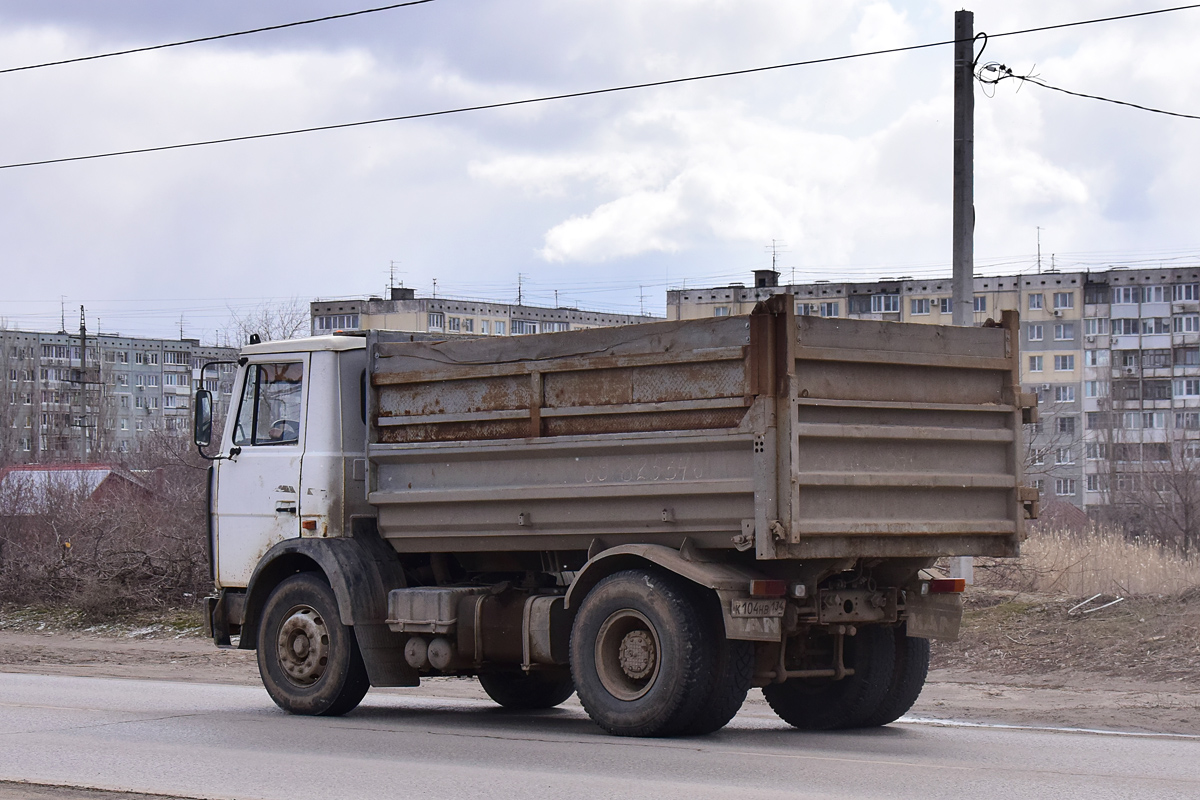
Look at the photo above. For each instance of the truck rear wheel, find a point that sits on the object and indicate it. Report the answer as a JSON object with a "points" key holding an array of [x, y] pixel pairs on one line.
{"points": [[309, 661], [824, 703], [528, 690], [909, 671], [641, 655], [728, 684]]}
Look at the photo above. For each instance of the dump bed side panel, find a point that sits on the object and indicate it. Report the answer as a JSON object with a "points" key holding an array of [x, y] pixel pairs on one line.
{"points": [[549, 442], [904, 440]]}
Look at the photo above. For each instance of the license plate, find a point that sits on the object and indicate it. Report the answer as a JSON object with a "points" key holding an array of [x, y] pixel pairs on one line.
{"points": [[757, 608]]}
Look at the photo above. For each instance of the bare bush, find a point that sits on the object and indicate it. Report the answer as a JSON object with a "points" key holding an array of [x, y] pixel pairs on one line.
{"points": [[139, 543], [1077, 563]]}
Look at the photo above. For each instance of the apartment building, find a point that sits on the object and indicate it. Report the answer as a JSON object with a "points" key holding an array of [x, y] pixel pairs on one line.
{"points": [[71, 397], [1114, 357], [404, 311]]}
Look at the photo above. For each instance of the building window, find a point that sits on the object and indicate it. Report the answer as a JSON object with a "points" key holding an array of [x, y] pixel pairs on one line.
{"points": [[485, 327], [1064, 363], [1095, 389], [1035, 363], [1095, 358], [1126, 295], [946, 305], [1064, 394], [1152, 325], [1034, 333], [177, 358], [1064, 300], [1093, 483], [453, 324], [919, 305], [1037, 458], [980, 302], [437, 321], [468, 326], [1063, 456], [1064, 487], [1126, 327], [718, 311], [1154, 419], [337, 322], [1066, 425], [1096, 451], [829, 309], [500, 325], [1187, 356], [1187, 387], [1035, 302], [885, 304], [524, 327], [1188, 323], [1064, 331], [1187, 420], [1095, 326], [1186, 291]]}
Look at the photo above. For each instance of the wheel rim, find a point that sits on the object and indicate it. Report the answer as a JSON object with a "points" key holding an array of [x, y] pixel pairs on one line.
{"points": [[628, 654], [303, 646]]}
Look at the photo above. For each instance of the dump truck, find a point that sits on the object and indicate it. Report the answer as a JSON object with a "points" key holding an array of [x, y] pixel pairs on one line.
{"points": [[656, 517]]}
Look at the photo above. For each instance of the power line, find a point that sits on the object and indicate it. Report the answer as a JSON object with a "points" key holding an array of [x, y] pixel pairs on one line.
{"points": [[1004, 73], [214, 38], [570, 95]]}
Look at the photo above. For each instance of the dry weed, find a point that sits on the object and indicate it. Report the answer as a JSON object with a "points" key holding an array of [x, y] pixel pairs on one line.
{"points": [[1058, 561]]}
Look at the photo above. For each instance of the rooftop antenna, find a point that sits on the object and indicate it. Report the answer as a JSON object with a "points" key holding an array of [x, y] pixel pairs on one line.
{"points": [[520, 296], [435, 288], [642, 300], [556, 298], [62, 307], [181, 327], [1039, 240]]}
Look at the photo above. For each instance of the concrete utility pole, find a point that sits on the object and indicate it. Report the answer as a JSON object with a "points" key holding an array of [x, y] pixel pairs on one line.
{"points": [[964, 198], [964, 168]]}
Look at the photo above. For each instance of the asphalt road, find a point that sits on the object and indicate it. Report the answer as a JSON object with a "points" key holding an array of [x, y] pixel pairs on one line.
{"points": [[219, 741]]}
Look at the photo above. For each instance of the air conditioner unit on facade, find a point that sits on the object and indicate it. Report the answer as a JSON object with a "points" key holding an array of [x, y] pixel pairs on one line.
{"points": [[1045, 387], [1057, 312], [1091, 338]]}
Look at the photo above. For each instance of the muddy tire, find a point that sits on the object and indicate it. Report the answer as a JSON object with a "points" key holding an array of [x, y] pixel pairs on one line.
{"points": [[825, 704], [641, 654], [309, 661], [528, 690], [729, 680], [909, 671]]}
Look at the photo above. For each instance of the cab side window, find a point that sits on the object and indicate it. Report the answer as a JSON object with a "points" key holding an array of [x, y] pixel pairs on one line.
{"points": [[269, 413]]}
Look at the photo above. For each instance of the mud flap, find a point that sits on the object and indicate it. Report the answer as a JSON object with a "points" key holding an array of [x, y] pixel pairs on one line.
{"points": [[933, 616]]}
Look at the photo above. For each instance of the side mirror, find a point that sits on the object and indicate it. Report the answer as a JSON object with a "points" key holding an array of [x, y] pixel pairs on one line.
{"points": [[202, 423]]}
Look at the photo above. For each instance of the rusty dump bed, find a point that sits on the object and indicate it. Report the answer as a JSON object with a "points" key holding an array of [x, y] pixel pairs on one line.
{"points": [[797, 437]]}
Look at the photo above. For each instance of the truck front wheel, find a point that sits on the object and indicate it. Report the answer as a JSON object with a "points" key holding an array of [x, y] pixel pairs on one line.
{"points": [[528, 690], [309, 661], [641, 654]]}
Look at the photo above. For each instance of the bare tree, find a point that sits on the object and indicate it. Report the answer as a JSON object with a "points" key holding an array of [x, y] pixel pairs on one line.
{"points": [[1158, 494], [271, 320]]}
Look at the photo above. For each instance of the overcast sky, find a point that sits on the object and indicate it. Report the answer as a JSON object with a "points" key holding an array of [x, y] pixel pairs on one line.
{"points": [[605, 200]]}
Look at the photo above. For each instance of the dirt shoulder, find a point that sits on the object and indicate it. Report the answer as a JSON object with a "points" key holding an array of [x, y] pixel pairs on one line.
{"points": [[1021, 661]]}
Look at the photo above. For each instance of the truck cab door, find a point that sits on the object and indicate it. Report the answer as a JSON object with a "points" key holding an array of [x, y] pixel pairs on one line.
{"points": [[257, 491]]}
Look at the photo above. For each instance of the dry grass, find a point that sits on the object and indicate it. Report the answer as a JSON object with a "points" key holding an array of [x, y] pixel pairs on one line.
{"points": [[1095, 560]]}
